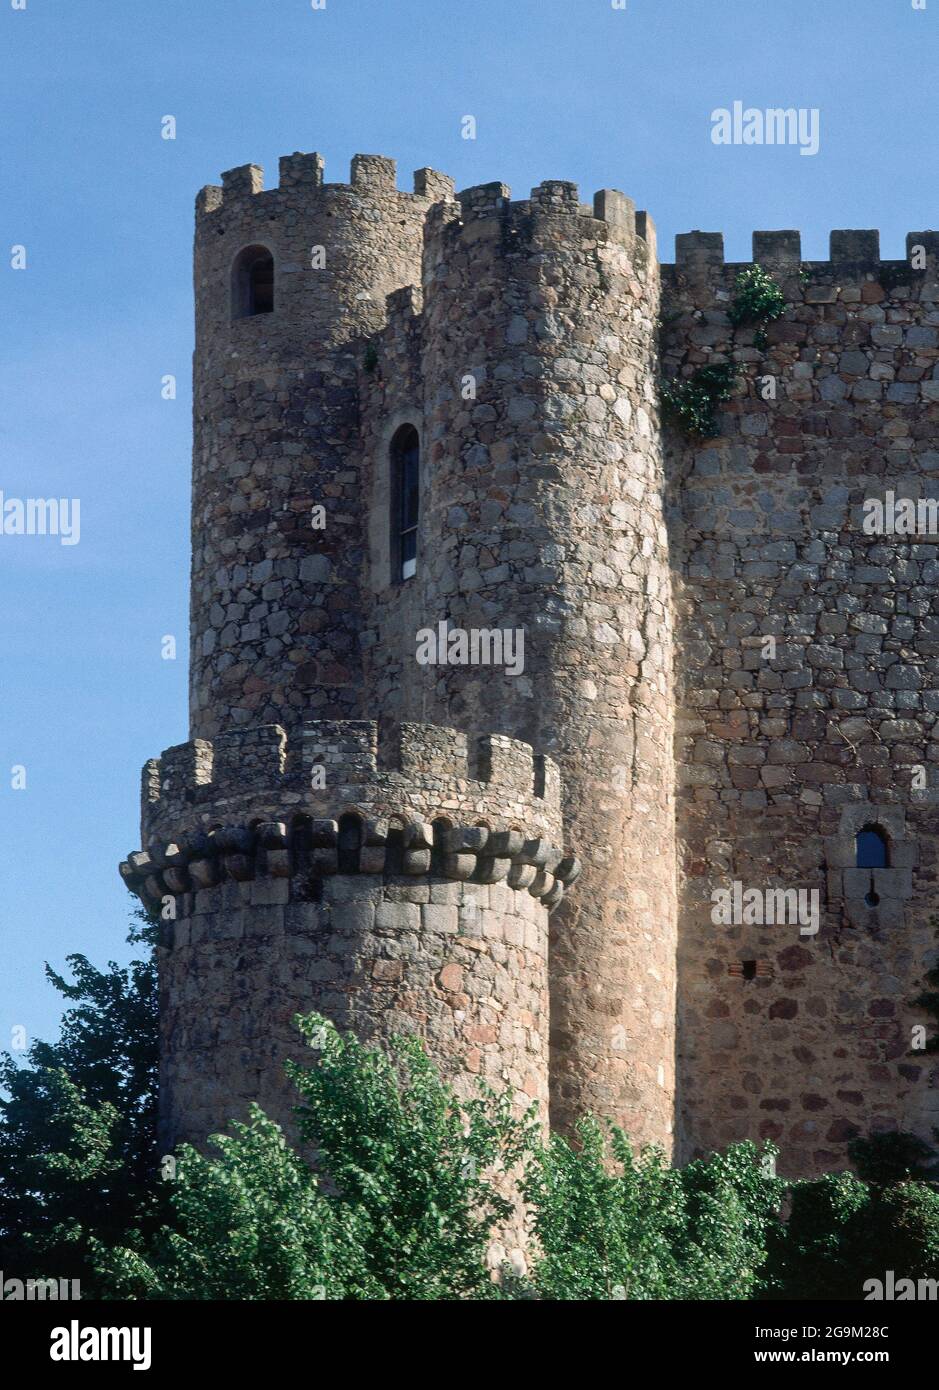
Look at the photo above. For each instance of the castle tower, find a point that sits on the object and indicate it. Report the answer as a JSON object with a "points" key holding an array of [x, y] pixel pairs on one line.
{"points": [[544, 516], [288, 282], [402, 897], [394, 877]]}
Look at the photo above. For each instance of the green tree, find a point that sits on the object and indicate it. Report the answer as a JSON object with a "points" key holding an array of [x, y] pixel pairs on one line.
{"points": [[635, 1228], [813, 1256], [404, 1186], [842, 1231], [895, 1156], [77, 1125]]}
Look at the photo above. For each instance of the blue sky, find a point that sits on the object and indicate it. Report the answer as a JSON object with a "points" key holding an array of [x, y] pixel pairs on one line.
{"points": [[567, 89]]}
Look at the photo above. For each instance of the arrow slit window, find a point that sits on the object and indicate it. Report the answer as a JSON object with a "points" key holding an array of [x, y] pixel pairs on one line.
{"points": [[405, 501]]}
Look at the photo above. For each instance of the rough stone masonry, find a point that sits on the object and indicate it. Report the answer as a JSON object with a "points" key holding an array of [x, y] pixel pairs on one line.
{"points": [[521, 866]]}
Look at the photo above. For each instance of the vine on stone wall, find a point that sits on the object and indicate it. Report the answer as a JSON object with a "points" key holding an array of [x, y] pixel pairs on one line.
{"points": [[757, 299], [691, 403]]}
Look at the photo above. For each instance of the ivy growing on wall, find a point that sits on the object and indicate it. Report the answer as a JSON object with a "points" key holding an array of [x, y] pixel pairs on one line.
{"points": [[757, 299], [691, 403]]}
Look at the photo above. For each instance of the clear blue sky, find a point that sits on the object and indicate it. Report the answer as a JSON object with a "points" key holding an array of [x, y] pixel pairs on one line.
{"points": [[567, 89]]}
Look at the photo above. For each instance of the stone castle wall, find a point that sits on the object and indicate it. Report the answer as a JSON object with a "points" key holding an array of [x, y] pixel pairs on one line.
{"points": [[784, 757]]}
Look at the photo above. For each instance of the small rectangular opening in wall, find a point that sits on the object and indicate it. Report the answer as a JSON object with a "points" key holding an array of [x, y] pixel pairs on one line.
{"points": [[394, 852], [539, 774], [750, 969], [311, 890], [388, 752]]}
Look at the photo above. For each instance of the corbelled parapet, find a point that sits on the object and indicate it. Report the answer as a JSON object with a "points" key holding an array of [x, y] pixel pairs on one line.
{"points": [[253, 803]]}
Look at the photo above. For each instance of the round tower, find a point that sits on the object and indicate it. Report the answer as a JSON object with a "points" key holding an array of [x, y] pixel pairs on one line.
{"points": [[543, 518], [288, 285], [301, 858], [378, 882]]}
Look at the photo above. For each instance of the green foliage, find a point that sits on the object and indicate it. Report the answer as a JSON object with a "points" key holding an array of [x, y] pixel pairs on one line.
{"points": [[400, 1204], [891, 1158], [399, 1187], [904, 1232], [691, 403], [638, 1229], [811, 1257], [757, 298], [842, 1231], [77, 1128], [249, 1223]]}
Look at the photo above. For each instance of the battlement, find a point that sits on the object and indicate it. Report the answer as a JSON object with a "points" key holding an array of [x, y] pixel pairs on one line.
{"points": [[495, 806], [338, 765], [552, 198], [370, 174], [849, 251]]}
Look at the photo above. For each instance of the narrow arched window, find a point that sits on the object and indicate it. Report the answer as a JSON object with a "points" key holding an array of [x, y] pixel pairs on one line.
{"points": [[405, 502], [871, 848], [871, 851], [252, 283]]}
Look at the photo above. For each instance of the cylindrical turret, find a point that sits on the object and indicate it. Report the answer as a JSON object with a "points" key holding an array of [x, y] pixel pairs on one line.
{"points": [[288, 283], [391, 885], [544, 519]]}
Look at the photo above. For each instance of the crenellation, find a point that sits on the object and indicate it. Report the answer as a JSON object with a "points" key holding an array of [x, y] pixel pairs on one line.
{"points": [[430, 183], [928, 240], [609, 205], [699, 250], [855, 251], [256, 773], [245, 758], [556, 196], [854, 248], [209, 199], [645, 230], [782, 249], [346, 750], [373, 173], [243, 182], [296, 169], [484, 200]]}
